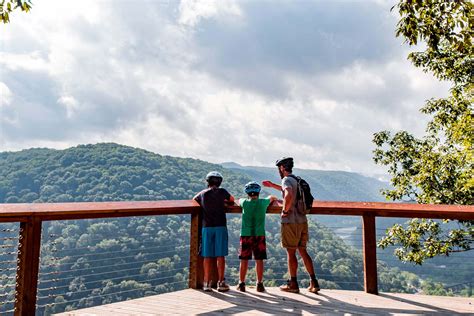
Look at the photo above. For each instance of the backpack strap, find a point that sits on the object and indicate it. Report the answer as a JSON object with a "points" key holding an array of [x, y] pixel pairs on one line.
{"points": [[293, 176], [298, 186]]}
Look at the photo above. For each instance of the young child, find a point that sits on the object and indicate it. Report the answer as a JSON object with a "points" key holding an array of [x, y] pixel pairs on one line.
{"points": [[252, 233], [214, 228]]}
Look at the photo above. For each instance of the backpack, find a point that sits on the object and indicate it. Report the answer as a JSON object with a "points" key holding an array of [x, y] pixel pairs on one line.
{"points": [[304, 198]]}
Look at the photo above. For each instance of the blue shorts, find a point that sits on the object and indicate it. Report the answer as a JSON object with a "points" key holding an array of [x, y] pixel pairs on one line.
{"points": [[214, 242]]}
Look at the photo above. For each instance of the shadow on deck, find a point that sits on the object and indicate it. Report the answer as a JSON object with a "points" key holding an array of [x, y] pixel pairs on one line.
{"points": [[336, 302]]}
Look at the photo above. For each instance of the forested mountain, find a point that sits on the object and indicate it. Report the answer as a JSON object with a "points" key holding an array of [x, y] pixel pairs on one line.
{"points": [[92, 262], [103, 172], [110, 172]]}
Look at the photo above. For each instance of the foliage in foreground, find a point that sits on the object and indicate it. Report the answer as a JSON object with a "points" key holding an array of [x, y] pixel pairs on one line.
{"points": [[8, 6], [439, 167]]}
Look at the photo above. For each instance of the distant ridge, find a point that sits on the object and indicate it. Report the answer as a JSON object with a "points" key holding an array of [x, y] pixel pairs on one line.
{"points": [[327, 185]]}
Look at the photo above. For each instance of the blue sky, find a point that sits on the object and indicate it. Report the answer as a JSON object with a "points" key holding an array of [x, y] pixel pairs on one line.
{"points": [[243, 81]]}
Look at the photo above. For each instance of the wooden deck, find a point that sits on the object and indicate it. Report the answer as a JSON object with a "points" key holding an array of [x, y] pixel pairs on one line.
{"points": [[329, 302]]}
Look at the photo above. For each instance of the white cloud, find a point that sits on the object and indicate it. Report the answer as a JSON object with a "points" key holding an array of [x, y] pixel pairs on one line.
{"points": [[5, 95], [30, 62], [215, 80], [192, 11], [70, 103]]}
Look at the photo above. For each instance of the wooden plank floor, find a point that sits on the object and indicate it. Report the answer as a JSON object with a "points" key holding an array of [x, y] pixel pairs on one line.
{"points": [[275, 302]]}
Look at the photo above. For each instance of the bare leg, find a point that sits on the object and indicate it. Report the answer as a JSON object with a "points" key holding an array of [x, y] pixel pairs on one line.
{"points": [[213, 275], [292, 285], [207, 269], [308, 262], [259, 266], [292, 262], [244, 264], [221, 268]]}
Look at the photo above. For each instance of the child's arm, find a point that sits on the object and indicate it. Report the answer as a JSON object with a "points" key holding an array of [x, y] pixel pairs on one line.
{"points": [[272, 199], [230, 201], [198, 197]]}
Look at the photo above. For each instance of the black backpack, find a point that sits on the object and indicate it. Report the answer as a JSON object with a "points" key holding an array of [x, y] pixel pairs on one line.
{"points": [[303, 196]]}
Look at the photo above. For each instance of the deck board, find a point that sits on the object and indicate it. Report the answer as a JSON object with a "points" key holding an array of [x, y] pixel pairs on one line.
{"points": [[275, 302]]}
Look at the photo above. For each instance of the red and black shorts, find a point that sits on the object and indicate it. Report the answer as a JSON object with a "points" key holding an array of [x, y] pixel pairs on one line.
{"points": [[253, 244]]}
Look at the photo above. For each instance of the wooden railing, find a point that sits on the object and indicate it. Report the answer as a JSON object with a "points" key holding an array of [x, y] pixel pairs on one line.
{"points": [[31, 217]]}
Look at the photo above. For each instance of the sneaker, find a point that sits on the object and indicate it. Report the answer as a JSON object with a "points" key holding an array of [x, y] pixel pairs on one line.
{"points": [[314, 287], [206, 287], [214, 285], [222, 287], [260, 287], [241, 287], [290, 286]]}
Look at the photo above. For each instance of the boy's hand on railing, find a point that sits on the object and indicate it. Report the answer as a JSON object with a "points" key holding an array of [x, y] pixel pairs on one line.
{"points": [[273, 200], [229, 203]]}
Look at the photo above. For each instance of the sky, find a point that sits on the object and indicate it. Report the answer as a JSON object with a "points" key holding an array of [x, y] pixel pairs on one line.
{"points": [[241, 81]]}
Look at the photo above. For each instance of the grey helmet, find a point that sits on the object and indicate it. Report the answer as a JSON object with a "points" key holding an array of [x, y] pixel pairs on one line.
{"points": [[213, 174]]}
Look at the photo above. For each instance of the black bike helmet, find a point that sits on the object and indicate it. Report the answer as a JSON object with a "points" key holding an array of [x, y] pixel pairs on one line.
{"points": [[285, 161]]}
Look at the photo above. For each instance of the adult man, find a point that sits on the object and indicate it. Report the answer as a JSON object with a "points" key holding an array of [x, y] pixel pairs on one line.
{"points": [[294, 227]]}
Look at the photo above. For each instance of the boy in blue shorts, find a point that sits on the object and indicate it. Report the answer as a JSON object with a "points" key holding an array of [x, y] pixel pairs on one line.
{"points": [[252, 233], [214, 242]]}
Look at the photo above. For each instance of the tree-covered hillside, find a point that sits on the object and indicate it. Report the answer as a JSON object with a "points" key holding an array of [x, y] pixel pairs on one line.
{"points": [[92, 262], [103, 172]]}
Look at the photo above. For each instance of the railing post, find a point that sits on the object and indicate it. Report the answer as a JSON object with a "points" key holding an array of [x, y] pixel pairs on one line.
{"points": [[195, 260], [370, 254], [28, 266]]}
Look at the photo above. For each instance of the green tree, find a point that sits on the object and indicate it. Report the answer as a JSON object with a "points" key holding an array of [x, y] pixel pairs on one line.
{"points": [[7, 7], [439, 167]]}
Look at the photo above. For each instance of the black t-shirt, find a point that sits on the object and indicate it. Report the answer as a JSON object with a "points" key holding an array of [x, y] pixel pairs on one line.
{"points": [[212, 203]]}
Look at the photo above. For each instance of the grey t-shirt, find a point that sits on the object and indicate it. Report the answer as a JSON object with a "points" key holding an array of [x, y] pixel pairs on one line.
{"points": [[294, 216]]}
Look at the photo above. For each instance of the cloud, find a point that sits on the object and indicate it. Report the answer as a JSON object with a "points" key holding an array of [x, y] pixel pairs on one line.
{"points": [[5, 95], [215, 80], [272, 42], [70, 103], [191, 12]]}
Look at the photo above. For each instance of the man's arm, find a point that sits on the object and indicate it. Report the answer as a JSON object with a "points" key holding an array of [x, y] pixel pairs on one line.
{"points": [[269, 184], [287, 200]]}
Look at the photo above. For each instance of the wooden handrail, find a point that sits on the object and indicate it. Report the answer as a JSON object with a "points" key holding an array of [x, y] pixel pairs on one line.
{"points": [[83, 210], [31, 217]]}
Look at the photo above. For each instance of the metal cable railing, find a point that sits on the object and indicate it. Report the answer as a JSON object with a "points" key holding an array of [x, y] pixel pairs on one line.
{"points": [[111, 268], [9, 240]]}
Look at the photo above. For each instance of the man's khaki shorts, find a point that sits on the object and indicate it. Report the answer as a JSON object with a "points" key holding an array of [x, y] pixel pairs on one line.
{"points": [[294, 235]]}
